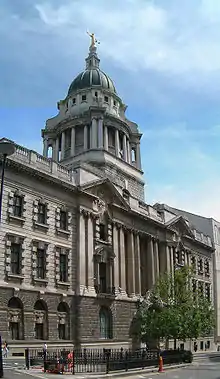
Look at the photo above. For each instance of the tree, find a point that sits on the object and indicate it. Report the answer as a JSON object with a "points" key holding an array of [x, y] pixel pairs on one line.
{"points": [[173, 310]]}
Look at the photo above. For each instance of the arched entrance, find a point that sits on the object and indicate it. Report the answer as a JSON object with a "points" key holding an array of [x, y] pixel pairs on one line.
{"points": [[41, 320], [15, 318]]}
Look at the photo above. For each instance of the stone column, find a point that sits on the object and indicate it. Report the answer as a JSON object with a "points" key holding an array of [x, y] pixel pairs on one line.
{"points": [[116, 259], [90, 257], [100, 133], [94, 134], [85, 137], [150, 263], [117, 147], [57, 149], [125, 155], [63, 144], [73, 142], [156, 259], [137, 265], [106, 138], [82, 253], [129, 151], [138, 156], [122, 263], [54, 150], [131, 265], [45, 150], [168, 259]]}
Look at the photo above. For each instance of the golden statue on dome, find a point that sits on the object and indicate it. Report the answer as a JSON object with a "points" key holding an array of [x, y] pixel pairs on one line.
{"points": [[93, 39]]}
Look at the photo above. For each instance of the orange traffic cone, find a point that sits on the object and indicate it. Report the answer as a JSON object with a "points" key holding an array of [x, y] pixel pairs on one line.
{"points": [[160, 364]]}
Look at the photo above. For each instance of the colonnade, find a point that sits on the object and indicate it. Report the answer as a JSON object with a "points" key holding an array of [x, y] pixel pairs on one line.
{"points": [[95, 136], [137, 259]]}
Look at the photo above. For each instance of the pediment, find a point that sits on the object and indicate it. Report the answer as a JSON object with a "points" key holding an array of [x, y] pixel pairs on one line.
{"points": [[106, 193], [180, 227]]}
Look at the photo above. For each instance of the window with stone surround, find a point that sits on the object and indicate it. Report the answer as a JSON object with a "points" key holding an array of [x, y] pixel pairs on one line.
{"points": [[63, 220], [40, 213], [62, 265], [193, 263], [16, 258], [14, 255], [16, 204], [41, 264], [105, 322], [40, 259]]}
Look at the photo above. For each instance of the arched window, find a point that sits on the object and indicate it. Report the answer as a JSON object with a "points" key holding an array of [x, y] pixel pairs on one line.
{"points": [[63, 321], [15, 312], [41, 320], [105, 320]]}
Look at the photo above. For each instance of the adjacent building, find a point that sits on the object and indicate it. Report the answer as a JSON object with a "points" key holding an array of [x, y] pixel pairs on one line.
{"points": [[79, 246], [206, 226]]}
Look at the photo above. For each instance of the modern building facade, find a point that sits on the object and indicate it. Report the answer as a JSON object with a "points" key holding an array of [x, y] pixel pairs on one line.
{"points": [[211, 227], [79, 247]]}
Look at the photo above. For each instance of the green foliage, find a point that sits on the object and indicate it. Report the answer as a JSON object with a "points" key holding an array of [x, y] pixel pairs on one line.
{"points": [[175, 311]]}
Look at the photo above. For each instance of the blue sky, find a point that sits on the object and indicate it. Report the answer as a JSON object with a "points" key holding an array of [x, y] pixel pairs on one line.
{"points": [[164, 58]]}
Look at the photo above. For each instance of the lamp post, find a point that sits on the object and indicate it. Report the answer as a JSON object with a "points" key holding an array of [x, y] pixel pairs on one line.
{"points": [[6, 149]]}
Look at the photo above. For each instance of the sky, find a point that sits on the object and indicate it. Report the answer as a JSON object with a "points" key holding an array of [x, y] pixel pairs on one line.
{"points": [[164, 58]]}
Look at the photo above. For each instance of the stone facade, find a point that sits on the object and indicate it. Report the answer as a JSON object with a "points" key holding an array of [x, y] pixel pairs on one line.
{"points": [[79, 247]]}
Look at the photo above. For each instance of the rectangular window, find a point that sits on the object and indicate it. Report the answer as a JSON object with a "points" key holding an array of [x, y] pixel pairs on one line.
{"points": [[207, 268], [39, 331], [74, 100], [83, 97], [63, 267], [111, 137], [63, 220], [103, 232], [16, 258], [103, 277], [62, 331], [41, 264], [106, 99], [200, 266], [42, 213], [18, 205], [207, 291], [14, 329]]}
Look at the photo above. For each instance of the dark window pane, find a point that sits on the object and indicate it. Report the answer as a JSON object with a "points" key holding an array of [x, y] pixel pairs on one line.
{"points": [[39, 331], [62, 331], [17, 205], [63, 268], [103, 232], [14, 329], [16, 258], [41, 263], [105, 319], [42, 213], [63, 220]]}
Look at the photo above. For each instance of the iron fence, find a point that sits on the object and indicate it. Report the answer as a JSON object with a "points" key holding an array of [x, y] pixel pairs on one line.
{"points": [[99, 360]]}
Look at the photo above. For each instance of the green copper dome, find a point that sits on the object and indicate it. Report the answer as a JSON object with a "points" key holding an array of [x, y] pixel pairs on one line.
{"points": [[92, 77]]}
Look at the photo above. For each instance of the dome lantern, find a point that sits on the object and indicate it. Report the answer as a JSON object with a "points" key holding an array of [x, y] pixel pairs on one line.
{"points": [[92, 76]]}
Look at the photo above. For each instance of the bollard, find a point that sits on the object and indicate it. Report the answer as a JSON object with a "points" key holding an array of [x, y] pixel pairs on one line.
{"points": [[27, 358], [1, 361], [160, 364]]}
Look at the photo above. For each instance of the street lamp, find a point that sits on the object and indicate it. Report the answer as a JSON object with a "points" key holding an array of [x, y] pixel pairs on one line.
{"points": [[6, 149]]}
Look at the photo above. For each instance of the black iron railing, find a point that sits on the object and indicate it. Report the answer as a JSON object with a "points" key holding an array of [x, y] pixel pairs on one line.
{"points": [[101, 360]]}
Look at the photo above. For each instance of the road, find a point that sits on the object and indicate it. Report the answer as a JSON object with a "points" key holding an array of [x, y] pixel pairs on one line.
{"points": [[203, 369]]}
